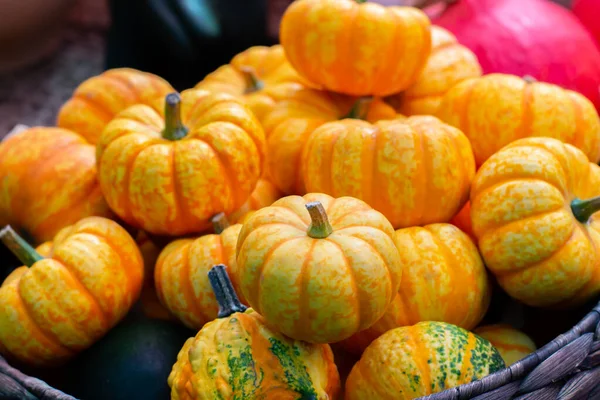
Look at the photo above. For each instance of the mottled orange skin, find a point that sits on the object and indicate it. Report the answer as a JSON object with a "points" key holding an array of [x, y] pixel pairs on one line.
{"points": [[264, 194], [526, 231], [497, 109], [444, 280], [98, 99], [174, 187], [64, 303], [415, 171], [292, 121], [318, 290], [356, 49], [449, 63], [462, 220], [48, 180], [181, 275], [512, 344]]}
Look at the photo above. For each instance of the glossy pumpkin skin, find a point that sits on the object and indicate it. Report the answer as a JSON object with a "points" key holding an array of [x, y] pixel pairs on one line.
{"points": [[98, 99], [264, 194], [444, 280], [462, 221], [174, 187], [63, 304], [449, 63], [512, 344], [356, 49], [497, 109], [415, 172], [319, 290], [414, 361], [240, 357], [48, 180], [527, 233]]}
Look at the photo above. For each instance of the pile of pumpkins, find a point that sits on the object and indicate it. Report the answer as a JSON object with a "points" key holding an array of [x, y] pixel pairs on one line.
{"points": [[360, 184]]}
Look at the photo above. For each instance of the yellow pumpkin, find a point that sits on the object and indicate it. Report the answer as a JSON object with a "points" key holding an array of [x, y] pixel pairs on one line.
{"points": [[512, 344]]}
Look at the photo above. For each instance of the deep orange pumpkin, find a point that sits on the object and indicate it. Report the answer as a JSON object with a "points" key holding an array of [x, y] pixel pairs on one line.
{"points": [[264, 194]]}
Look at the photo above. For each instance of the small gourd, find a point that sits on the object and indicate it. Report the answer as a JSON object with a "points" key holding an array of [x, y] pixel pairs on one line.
{"points": [[512, 344]]}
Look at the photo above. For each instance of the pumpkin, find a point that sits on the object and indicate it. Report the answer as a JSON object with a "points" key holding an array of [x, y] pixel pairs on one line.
{"points": [[356, 49], [449, 63], [419, 360], [497, 109], [444, 280], [48, 180], [237, 356], [462, 221], [292, 121], [264, 194], [98, 99], [415, 172], [181, 273], [60, 305], [532, 208], [169, 175], [316, 268], [512, 344]]}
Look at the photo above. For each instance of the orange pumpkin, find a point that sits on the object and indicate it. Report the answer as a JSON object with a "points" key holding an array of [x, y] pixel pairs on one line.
{"points": [[316, 268], [356, 49], [535, 223], [98, 99], [444, 280], [264, 194], [415, 172], [462, 220], [48, 180], [181, 272], [168, 175], [449, 63], [512, 344], [57, 306], [497, 109]]}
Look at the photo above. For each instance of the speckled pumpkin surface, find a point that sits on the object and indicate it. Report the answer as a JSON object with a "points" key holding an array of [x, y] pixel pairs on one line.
{"points": [[429, 357], [264, 194], [540, 244], [512, 344]]}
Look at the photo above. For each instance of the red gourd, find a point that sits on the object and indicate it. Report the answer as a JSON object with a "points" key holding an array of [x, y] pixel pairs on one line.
{"points": [[588, 12]]}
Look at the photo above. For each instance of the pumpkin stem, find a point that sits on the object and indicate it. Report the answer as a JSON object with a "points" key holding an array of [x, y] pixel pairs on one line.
{"points": [[229, 303], [360, 108], [219, 222], [174, 128], [253, 84], [319, 227], [360, 1], [584, 209], [529, 79], [424, 3], [19, 247]]}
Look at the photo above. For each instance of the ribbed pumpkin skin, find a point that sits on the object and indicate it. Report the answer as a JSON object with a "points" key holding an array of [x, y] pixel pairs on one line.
{"points": [[63, 304], [415, 172], [238, 357], [174, 187], [181, 275], [520, 199], [264, 194], [444, 280], [449, 63], [356, 49], [414, 361], [48, 180], [497, 109], [512, 344], [318, 290], [98, 99]]}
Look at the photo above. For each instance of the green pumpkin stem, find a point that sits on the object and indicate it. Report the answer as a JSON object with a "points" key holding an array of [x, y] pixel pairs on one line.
{"points": [[253, 84], [19, 247], [229, 303], [319, 227], [360, 109], [584, 209], [219, 222], [360, 1], [174, 128]]}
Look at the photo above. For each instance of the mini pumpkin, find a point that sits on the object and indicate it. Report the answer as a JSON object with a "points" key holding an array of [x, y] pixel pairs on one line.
{"points": [[512, 344], [429, 357], [58, 306], [533, 210], [97, 100], [462, 221], [415, 171], [318, 269], [238, 357], [356, 49], [444, 280], [264, 194], [497, 109], [48, 180], [170, 174]]}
